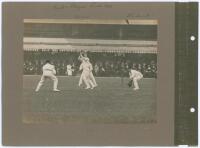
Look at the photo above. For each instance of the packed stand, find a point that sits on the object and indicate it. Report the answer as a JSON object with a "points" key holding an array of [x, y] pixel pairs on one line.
{"points": [[104, 64]]}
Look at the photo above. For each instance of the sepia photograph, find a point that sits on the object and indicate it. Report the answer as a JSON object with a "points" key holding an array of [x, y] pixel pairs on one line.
{"points": [[99, 74], [90, 71]]}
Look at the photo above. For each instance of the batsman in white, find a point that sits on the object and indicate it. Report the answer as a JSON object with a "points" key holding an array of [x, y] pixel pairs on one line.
{"points": [[86, 66], [48, 72], [135, 76], [83, 57]]}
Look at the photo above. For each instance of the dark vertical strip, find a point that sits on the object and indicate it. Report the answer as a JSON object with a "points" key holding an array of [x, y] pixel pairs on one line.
{"points": [[186, 74]]}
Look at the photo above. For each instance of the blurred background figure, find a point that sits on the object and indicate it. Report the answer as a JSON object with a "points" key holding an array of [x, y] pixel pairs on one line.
{"points": [[70, 70]]}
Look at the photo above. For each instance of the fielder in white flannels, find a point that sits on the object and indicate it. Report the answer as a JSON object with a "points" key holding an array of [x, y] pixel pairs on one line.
{"points": [[135, 76], [69, 70], [48, 72]]}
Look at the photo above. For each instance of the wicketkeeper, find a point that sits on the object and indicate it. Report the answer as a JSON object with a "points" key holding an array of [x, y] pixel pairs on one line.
{"points": [[135, 76]]}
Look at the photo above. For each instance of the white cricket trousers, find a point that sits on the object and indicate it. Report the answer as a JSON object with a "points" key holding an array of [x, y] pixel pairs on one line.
{"points": [[52, 77], [85, 77], [135, 81], [93, 79]]}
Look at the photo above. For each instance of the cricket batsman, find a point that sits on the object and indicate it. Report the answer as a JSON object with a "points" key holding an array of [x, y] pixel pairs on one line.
{"points": [[135, 76], [83, 57], [85, 76], [48, 72]]}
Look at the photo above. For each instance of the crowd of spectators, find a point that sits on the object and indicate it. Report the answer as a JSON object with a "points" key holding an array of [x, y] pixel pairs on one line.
{"points": [[104, 64]]}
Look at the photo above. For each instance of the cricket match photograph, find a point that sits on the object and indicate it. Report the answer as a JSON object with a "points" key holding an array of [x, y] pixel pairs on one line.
{"points": [[90, 71]]}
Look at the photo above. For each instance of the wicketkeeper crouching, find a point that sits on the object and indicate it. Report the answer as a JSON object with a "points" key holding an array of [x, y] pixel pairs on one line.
{"points": [[135, 76]]}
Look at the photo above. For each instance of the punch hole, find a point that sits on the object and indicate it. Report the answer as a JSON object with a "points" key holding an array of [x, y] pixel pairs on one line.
{"points": [[192, 38], [192, 109]]}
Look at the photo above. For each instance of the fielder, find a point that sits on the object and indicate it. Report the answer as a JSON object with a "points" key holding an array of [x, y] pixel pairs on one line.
{"points": [[48, 72], [69, 70], [135, 76]]}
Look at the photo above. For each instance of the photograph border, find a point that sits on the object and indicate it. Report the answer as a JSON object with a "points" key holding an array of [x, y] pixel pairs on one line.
{"points": [[145, 46]]}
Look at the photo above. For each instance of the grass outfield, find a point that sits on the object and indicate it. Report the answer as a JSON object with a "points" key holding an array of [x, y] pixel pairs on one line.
{"points": [[110, 102]]}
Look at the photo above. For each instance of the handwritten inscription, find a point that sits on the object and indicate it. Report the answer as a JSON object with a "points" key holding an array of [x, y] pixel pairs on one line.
{"points": [[82, 6], [137, 15]]}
